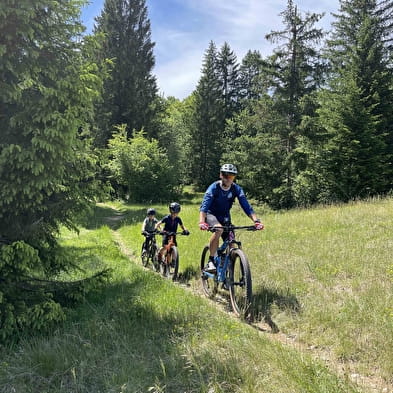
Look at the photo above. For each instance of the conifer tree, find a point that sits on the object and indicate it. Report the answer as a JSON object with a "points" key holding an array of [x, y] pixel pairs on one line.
{"points": [[207, 126], [251, 86], [295, 71], [46, 169], [356, 109], [228, 74], [131, 91]]}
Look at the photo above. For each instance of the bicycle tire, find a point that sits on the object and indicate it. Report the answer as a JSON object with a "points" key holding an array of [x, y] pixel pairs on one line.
{"points": [[170, 267], [240, 284], [154, 258], [209, 285], [174, 265], [163, 268], [145, 258]]}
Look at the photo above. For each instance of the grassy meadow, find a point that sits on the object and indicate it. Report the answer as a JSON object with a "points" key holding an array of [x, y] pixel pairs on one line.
{"points": [[323, 307]]}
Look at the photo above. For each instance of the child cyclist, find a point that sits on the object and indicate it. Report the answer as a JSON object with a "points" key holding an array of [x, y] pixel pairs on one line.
{"points": [[148, 227], [171, 222]]}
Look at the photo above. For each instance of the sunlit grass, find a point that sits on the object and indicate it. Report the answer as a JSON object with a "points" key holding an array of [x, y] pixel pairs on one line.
{"points": [[324, 276]]}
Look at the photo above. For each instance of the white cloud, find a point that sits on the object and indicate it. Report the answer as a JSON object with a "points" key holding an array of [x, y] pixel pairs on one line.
{"points": [[182, 30], [243, 24], [179, 76]]}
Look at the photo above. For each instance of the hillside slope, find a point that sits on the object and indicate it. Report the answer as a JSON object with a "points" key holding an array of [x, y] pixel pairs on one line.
{"points": [[324, 276]]}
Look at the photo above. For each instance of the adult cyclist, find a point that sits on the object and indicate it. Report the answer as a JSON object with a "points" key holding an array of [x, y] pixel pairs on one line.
{"points": [[216, 205]]}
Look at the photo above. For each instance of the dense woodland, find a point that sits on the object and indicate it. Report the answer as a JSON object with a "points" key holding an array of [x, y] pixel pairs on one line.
{"points": [[81, 120]]}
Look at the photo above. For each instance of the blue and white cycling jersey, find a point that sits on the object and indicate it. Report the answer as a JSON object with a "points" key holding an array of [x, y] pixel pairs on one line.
{"points": [[218, 202]]}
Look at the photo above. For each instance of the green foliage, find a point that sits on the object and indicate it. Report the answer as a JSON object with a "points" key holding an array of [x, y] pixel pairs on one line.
{"points": [[45, 163], [353, 152], [174, 136], [294, 71], [257, 150], [18, 311], [228, 74], [47, 169], [130, 94], [251, 82], [208, 122], [28, 301], [141, 167], [351, 157]]}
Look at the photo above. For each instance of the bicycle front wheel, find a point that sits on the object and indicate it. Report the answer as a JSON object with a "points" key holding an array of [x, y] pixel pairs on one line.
{"points": [[145, 257], [174, 263], [170, 267], [209, 285], [240, 284], [154, 257]]}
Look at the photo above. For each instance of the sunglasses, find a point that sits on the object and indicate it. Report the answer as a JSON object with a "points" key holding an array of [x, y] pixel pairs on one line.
{"points": [[229, 175]]}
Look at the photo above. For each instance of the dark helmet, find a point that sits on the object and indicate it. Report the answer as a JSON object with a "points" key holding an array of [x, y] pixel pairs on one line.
{"points": [[229, 168], [174, 207], [151, 212]]}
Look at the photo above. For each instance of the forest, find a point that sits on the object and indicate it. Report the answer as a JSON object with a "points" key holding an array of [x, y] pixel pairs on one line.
{"points": [[82, 121]]}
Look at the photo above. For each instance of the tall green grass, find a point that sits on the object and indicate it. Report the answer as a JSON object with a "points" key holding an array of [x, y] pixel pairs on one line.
{"points": [[323, 275]]}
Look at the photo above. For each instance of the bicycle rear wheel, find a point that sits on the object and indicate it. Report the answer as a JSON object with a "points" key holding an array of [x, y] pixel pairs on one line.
{"points": [[209, 285], [240, 284]]}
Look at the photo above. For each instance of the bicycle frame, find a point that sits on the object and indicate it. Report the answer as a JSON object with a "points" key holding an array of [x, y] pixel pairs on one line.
{"points": [[232, 272], [168, 248], [225, 251], [170, 266], [151, 251]]}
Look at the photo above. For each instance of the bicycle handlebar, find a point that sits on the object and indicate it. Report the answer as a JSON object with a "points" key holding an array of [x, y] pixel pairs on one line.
{"points": [[150, 233], [227, 228], [162, 233]]}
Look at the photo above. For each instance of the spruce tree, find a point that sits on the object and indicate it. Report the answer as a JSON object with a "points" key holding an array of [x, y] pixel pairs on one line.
{"points": [[228, 74], [357, 108], [130, 93], [295, 71], [251, 86], [207, 125], [47, 172]]}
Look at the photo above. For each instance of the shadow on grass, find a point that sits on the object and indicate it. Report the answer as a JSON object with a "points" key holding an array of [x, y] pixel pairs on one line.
{"points": [[265, 298], [188, 274], [122, 340]]}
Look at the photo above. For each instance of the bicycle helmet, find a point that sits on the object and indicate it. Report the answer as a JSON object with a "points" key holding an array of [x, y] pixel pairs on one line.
{"points": [[151, 212], [229, 168], [174, 207]]}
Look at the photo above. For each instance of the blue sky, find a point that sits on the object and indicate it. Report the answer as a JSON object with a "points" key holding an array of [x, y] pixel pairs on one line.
{"points": [[182, 30]]}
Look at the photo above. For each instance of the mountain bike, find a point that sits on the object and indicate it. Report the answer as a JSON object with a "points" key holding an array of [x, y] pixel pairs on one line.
{"points": [[149, 255], [233, 272], [169, 263]]}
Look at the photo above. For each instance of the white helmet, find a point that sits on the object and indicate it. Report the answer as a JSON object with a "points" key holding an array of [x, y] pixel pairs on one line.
{"points": [[229, 168]]}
